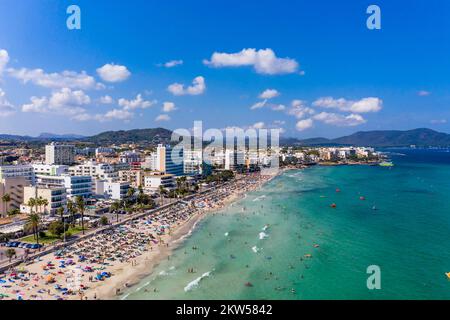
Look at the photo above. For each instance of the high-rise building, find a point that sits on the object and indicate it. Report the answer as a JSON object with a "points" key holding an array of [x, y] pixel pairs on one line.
{"points": [[234, 159], [193, 162], [24, 170], [168, 161], [75, 185], [59, 154]]}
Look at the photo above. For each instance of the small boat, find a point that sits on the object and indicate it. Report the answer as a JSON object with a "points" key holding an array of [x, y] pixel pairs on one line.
{"points": [[338, 190], [362, 198], [386, 164], [333, 205], [448, 275], [248, 284]]}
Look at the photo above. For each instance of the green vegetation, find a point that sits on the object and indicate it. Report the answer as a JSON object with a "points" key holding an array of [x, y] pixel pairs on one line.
{"points": [[48, 237]]}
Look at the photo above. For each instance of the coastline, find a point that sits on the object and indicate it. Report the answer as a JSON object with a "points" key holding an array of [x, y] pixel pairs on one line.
{"points": [[127, 276]]}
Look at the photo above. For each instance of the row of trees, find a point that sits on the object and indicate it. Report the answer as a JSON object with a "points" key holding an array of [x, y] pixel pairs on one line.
{"points": [[134, 199], [34, 218]]}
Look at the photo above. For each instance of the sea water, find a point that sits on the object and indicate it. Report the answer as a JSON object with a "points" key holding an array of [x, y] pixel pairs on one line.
{"points": [[289, 243]]}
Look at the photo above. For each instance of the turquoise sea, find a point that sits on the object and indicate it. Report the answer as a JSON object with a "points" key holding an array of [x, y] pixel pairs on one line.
{"points": [[403, 226]]}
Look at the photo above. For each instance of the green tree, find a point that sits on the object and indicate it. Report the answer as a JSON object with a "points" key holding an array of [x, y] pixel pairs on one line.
{"points": [[10, 253], [6, 199], [57, 228], [79, 202], [72, 210], [34, 221], [162, 192], [104, 221], [115, 206]]}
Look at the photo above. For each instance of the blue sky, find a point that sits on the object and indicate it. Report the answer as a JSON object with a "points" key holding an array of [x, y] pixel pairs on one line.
{"points": [[327, 74]]}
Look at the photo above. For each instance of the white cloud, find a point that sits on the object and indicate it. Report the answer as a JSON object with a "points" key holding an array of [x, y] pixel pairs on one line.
{"points": [[6, 108], [370, 104], [304, 124], [438, 121], [264, 61], [138, 103], [65, 79], [299, 109], [258, 125], [423, 93], [63, 102], [278, 107], [169, 106], [173, 63], [4, 59], [269, 94], [106, 100], [340, 120], [259, 105], [118, 114], [198, 87], [111, 72], [162, 117]]}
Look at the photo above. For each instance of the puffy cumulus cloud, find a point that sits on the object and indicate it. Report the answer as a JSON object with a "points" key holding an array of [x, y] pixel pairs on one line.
{"points": [[304, 124], [264, 61], [370, 104], [198, 87], [278, 107], [114, 114], [64, 79], [169, 106], [137, 103], [299, 109], [269, 94], [106, 100], [162, 117], [421, 93], [111, 72], [172, 63], [6, 107], [4, 59], [117, 114], [63, 102], [340, 120]]}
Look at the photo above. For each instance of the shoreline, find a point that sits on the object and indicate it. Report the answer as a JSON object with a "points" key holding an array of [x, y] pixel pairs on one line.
{"points": [[107, 264], [176, 240]]}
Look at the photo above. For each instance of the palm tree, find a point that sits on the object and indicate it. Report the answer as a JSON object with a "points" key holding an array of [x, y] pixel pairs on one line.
{"points": [[34, 220], [115, 208], [79, 201], [44, 203], [130, 193], [60, 212], [162, 191], [6, 199], [71, 210], [31, 203]]}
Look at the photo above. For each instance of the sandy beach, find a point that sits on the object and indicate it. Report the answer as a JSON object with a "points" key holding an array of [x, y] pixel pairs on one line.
{"points": [[103, 266]]}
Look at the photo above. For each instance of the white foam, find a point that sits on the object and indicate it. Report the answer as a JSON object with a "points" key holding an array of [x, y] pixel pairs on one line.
{"points": [[226, 234], [259, 198], [256, 249], [193, 284], [265, 227], [263, 235]]}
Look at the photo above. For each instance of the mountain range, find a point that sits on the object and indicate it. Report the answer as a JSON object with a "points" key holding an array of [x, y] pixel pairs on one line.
{"points": [[379, 138]]}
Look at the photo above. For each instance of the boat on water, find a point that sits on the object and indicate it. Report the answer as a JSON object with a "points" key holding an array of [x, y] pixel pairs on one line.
{"points": [[386, 164], [448, 274]]}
